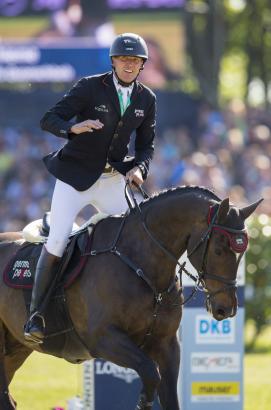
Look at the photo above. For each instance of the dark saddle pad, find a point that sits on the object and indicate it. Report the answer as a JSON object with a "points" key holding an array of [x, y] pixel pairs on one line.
{"points": [[61, 338], [20, 270]]}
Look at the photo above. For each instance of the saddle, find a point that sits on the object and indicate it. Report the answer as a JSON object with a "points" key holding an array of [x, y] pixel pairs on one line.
{"points": [[61, 338]]}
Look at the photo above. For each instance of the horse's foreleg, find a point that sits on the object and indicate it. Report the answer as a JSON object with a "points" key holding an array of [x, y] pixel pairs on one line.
{"points": [[168, 358], [15, 355], [118, 348], [6, 402]]}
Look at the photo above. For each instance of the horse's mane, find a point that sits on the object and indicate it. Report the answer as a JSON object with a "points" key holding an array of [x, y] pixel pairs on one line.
{"points": [[180, 190]]}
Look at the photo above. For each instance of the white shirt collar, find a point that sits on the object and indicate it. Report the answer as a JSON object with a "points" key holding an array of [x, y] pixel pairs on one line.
{"points": [[125, 90]]}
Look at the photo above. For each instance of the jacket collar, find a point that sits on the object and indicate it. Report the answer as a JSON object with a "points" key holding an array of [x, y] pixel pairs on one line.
{"points": [[112, 93]]}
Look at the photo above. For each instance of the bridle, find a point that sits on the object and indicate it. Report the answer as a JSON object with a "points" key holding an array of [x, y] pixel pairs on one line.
{"points": [[161, 295], [238, 240]]}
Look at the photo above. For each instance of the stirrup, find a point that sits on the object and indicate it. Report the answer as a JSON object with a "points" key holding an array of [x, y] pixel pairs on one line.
{"points": [[27, 328]]}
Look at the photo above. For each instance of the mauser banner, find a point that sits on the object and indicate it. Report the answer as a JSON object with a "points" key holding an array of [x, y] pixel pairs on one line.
{"points": [[38, 62]]}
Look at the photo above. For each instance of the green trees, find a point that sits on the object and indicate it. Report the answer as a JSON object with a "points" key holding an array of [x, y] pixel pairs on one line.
{"points": [[258, 275], [205, 36], [225, 28]]}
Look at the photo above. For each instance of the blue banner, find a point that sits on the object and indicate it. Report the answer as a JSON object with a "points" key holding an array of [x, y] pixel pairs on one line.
{"points": [[122, 387], [63, 62]]}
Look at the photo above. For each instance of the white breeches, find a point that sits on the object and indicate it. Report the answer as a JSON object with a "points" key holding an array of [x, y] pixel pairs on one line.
{"points": [[106, 195]]}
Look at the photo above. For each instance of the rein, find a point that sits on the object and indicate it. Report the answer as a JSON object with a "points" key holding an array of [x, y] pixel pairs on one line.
{"points": [[204, 240], [202, 274]]}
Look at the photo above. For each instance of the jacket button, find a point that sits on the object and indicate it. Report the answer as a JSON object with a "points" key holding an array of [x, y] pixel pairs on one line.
{"points": [[120, 124], [111, 148], [115, 136]]}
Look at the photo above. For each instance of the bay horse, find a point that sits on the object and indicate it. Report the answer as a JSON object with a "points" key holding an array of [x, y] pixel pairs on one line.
{"points": [[126, 305]]}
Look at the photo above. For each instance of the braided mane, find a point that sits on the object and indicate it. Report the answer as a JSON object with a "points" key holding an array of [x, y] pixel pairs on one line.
{"points": [[180, 190]]}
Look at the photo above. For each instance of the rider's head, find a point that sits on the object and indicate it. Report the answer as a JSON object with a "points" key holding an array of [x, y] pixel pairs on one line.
{"points": [[128, 54]]}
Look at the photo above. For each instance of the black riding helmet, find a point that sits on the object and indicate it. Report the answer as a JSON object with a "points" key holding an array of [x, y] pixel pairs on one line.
{"points": [[129, 44]]}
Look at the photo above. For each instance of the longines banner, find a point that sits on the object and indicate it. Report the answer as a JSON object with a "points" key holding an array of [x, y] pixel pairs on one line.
{"points": [[38, 62], [108, 386]]}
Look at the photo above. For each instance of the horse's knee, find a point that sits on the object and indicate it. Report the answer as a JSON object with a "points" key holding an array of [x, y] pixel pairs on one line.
{"points": [[150, 374]]}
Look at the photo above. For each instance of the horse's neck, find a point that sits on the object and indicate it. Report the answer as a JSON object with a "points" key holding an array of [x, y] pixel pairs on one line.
{"points": [[174, 218], [171, 221]]}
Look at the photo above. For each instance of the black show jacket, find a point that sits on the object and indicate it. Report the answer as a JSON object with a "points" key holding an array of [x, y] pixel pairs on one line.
{"points": [[82, 159]]}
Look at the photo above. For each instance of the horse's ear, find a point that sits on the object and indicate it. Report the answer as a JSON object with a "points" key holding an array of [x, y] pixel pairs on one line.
{"points": [[223, 210], [248, 210]]}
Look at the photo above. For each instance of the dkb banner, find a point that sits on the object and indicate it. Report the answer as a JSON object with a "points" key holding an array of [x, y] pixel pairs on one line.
{"points": [[211, 375]]}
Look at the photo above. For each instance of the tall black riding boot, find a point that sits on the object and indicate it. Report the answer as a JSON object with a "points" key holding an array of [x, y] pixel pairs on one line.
{"points": [[46, 271]]}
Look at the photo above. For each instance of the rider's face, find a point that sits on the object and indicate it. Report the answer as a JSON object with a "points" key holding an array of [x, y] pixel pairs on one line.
{"points": [[127, 67]]}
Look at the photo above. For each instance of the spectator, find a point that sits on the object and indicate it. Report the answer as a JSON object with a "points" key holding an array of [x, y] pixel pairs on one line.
{"points": [[232, 158]]}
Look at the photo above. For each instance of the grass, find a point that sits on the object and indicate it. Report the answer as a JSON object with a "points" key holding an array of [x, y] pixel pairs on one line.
{"points": [[258, 372], [257, 381], [45, 382]]}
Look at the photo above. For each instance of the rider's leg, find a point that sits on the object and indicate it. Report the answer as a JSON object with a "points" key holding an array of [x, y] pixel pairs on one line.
{"points": [[66, 204], [110, 194], [107, 194]]}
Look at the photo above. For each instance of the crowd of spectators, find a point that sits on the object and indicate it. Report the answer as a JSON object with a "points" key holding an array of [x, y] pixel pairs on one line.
{"points": [[231, 156]]}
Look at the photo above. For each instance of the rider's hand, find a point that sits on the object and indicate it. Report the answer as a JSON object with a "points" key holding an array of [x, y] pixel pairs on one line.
{"points": [[135, 175], [86, 126]]}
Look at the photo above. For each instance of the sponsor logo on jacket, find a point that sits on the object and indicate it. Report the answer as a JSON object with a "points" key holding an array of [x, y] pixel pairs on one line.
{"points": [[139, 113], [101, 108]]}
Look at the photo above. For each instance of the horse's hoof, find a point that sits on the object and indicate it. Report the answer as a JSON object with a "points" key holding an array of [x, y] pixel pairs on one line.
{"points": [[13, 402], [6, 401], [143, 404]]}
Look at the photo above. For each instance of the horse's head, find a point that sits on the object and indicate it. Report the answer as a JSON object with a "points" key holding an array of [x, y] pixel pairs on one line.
{"points": [[216, 252]]}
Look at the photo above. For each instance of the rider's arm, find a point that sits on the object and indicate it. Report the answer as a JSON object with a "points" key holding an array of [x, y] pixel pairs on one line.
{"points": [[58, 119]]}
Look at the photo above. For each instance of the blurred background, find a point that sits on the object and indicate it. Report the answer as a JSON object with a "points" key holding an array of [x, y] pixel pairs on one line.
{"points": [[210, 66]]}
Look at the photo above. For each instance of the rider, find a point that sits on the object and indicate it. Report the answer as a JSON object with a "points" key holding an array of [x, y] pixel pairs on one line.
{"points": [[89, 169]]}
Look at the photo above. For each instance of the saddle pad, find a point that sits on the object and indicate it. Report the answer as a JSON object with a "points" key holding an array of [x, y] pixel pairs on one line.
{"points": [[20, 271], [61, 338]]}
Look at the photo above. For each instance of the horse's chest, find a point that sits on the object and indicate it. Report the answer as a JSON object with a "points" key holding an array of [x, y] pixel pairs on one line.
{"points": [[166, 322], [158, 321]]}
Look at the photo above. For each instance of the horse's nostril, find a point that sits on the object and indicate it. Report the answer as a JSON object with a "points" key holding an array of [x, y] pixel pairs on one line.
{"points": [[220, 314]]}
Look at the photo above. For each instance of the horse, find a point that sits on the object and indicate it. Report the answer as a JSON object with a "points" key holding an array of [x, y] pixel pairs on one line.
{"points": [[126, 305]]}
